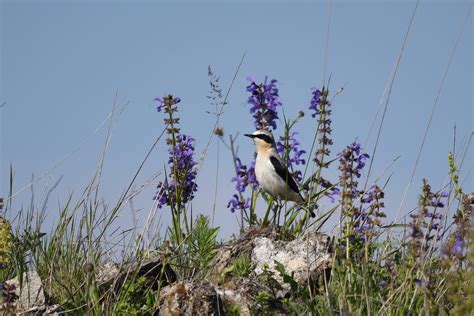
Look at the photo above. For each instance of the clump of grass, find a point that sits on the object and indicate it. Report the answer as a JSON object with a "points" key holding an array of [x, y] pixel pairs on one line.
{"points": [[202, 245]]}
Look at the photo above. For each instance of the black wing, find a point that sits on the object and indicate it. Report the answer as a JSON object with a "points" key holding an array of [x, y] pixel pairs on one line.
{"points": [[284, 174]]}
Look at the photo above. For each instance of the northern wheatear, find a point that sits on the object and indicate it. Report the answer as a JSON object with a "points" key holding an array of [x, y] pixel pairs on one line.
{"points": [[271, 171]]}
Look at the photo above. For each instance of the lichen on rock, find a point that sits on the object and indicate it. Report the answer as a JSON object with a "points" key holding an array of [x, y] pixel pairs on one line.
{"points": [[304, 258]]}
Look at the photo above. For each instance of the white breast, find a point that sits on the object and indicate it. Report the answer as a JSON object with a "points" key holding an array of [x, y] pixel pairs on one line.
{"points": [[270, 181]]}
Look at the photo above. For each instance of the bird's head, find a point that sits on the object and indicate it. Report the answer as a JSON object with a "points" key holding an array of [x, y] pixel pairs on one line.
{"points": [[263, 139]]}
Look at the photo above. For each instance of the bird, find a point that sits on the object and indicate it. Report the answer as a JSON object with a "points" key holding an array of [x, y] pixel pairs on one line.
{"points": [[271, 171]]}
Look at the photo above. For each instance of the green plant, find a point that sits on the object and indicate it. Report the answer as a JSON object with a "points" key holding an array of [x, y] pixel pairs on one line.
{"points": [[136, 298], [242, 266], [299, 299], [234, 309], [202, 244]]}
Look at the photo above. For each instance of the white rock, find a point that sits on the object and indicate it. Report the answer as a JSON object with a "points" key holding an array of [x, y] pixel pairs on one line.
{"points": [[306, 256], [31, 292]]}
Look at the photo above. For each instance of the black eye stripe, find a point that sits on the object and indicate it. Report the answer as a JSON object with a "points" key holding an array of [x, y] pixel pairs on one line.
{"points": [[265, 138]]}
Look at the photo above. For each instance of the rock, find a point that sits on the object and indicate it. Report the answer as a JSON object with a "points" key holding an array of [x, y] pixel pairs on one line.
{"points": [[227, 253], [111, 274], [306, 256], [30, 293], [106, 274], [239, 295], [190, 298]]}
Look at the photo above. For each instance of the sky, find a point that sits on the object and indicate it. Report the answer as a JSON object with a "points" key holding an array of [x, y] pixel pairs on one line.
{"points": [[63, 63]]}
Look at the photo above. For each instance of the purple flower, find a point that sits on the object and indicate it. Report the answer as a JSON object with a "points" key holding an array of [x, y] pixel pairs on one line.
{"points": [[361, 160], [162, 195], [421, 283], [160, 100], [8, 296], [367, 199], [287, 146], [425, 222], [315, 102], [438, 204], [238, 204], [333, 193], [383, 283], [361, 220], [458, 246], [244, 176], [264, 101], [239, 184], [182, 171], [252, 179], [322, 109], [368, 196], [455, 246], [363, 228], [167, 101], [351, 162]]}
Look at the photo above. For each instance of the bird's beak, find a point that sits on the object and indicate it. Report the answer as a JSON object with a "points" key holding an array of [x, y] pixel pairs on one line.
{"points": [[249, 135]]}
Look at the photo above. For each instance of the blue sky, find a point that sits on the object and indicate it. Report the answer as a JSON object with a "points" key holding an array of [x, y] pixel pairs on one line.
{"points": [[63, 62]]}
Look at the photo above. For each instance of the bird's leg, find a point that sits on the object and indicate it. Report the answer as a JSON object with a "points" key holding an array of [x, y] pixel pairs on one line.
{"points": [[280, 206], [275, 211]]}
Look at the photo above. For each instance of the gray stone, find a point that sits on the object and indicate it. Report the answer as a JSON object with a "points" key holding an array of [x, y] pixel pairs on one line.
{"points": [[106, 274], [243, 246], [241, 292], [113, 276], [191, 298], [30, 293], [305, 257]]}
